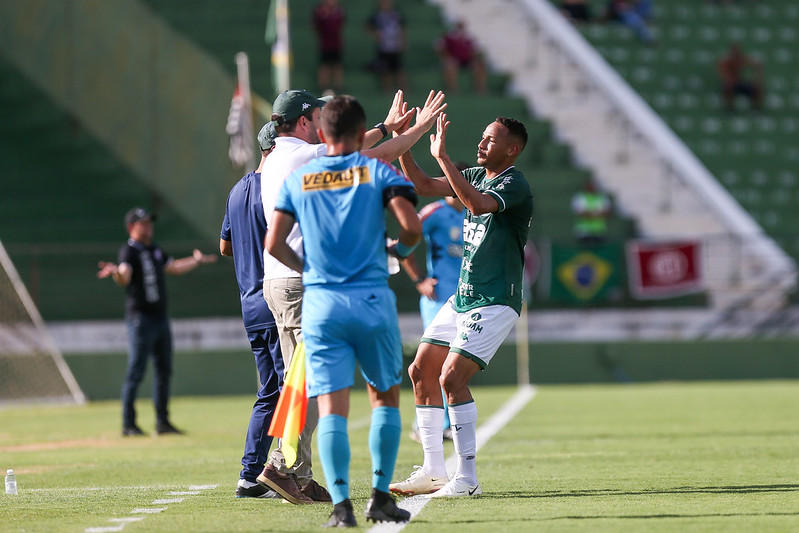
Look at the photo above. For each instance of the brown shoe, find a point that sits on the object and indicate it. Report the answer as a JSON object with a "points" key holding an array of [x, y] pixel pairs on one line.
{"points": [[285, 485], [317, 492]]}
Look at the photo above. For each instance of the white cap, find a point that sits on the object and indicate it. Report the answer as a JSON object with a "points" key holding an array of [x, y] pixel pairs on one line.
{"points": [[10, 471]]}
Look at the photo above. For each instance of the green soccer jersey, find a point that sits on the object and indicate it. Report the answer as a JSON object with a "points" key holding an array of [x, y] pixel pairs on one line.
{"points": [[493, 243]]}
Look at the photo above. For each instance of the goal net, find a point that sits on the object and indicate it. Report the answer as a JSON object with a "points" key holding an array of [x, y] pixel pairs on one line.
{"points": [[32, 368]]}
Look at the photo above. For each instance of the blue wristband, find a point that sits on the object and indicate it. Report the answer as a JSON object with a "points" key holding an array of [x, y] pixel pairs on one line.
{"points": [[404, 251]]}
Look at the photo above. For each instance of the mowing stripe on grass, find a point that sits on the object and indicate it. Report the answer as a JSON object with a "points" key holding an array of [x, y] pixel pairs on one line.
{"points": [[491, 427]]}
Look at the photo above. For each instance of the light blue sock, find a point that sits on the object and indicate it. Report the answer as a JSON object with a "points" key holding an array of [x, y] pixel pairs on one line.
{"points": [[333, 446], [384, 441]]}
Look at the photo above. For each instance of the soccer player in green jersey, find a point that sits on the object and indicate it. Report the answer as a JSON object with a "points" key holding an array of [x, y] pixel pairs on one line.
{"points": [[468, 330]]}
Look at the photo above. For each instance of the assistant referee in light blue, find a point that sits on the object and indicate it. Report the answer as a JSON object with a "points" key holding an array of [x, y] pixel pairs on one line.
{"points": [[349, 313]]}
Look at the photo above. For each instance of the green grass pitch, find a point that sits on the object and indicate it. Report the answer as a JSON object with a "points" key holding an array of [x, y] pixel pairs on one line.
{"points": [[656, 457]]}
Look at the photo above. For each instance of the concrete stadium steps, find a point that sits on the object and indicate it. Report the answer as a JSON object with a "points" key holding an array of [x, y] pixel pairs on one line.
{"points": [[753, 155]]}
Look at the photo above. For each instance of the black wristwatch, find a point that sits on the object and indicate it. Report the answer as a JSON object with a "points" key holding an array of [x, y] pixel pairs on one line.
{"points": [[417, 281], [382, 128]]}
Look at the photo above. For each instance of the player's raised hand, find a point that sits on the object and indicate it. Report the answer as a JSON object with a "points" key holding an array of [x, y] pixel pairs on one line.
{"points": [[438, 140], [433, 107], [399, 116]]}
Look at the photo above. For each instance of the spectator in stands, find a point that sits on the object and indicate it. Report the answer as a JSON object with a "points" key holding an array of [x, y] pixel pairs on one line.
{"points": [[457, 50], [740, 73], [328, 21], [140, 269], [634, 14], [387, 27], [576, 10], [591, 208]]}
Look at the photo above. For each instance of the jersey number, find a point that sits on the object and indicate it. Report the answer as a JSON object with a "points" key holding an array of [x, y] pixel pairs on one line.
{"points": [[473, 233]]}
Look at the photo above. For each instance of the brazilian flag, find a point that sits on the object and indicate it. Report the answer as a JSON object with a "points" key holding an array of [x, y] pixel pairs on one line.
{"points": [[585, 275]]}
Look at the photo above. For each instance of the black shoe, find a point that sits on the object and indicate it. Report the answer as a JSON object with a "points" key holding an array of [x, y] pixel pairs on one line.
{"points": [[342, 515], [254, 490], [165, 428], [132, 431], [381, 507]]}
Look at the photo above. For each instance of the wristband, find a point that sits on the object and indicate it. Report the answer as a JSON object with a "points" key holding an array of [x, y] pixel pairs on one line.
{"points": [[402, 250], [382, 128], [417, 281]]}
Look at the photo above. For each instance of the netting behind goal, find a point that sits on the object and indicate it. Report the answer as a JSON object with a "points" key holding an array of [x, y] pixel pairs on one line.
{"points": [[32, 368]]}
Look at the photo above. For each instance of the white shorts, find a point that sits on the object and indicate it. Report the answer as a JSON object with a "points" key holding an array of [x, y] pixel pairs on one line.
{"points": [[476, 334]]}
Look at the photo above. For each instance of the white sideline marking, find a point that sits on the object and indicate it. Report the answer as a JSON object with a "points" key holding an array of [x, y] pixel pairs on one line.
{"points": [[491, 427], [122, 522], [149, 510], [165, 501]]}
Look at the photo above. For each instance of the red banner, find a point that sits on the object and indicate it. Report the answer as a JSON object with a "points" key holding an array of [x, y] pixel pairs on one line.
{"points": [[664, 269]]}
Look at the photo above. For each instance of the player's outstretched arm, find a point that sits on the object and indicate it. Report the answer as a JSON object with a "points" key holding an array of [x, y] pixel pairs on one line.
{"points": [[180, 266], [425, 118], [279, 228], [121, 273], [475, 201]]}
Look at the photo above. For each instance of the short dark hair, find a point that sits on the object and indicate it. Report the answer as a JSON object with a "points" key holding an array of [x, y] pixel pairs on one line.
{"points": [[515, 128], [287, 126], [343, 117]]}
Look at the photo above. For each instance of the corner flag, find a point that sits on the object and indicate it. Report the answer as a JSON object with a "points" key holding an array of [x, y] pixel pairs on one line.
{"points": [[289, 418]]}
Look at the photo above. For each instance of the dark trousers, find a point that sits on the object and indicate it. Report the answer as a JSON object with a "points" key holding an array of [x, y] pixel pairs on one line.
{"points": [[265, 346], [147, 335]]}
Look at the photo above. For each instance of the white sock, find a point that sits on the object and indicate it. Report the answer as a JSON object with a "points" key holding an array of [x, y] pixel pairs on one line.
{"points": [[430, 420], [464, 436]]}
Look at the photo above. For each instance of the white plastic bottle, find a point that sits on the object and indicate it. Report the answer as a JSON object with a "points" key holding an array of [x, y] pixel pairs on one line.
{"points": [[11, 482]]}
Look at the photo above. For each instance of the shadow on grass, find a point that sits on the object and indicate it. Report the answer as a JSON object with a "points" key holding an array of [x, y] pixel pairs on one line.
{"points": [[730, 489]]}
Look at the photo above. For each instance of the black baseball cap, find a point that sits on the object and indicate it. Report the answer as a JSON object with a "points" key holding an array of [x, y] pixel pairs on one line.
{"points": [[136, 214]]}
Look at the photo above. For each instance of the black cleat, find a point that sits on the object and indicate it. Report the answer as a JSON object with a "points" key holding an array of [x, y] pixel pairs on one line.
{"points": [[342, 515], [381, 507], [165, 428], [132, 431]]}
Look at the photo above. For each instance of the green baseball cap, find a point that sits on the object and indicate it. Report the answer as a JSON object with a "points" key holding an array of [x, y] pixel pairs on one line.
{"points": [[294, 103], [266, 137]]}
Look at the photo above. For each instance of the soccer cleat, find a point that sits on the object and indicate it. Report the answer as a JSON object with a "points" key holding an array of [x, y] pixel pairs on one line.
{"points": [[381, 507], [419, 482], [248, 489], [286, 486], [132, 431], [456, 488], [342, 515]]}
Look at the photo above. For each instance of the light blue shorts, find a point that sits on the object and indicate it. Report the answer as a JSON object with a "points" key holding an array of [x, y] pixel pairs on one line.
{"points": [[343, 325]]}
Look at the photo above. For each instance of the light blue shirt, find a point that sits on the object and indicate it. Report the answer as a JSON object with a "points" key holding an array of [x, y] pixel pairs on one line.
{"points": [[339, 203]]}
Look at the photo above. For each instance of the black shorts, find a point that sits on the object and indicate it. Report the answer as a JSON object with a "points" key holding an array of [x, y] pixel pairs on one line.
{"points": [[390, 61], [330, 57]]}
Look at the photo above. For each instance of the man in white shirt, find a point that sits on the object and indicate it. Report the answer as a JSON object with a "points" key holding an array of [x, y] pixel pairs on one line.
{"points": [[296, 113]]}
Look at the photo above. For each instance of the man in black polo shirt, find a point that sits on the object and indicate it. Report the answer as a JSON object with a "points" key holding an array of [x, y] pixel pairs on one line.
{"points": [[140, 269]]}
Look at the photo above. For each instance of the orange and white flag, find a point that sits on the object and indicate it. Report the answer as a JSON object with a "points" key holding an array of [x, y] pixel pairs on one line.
{"points": [[289, 418]]}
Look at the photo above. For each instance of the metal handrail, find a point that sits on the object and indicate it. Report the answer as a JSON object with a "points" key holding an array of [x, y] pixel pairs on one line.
{"points": [[671, 149]]}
